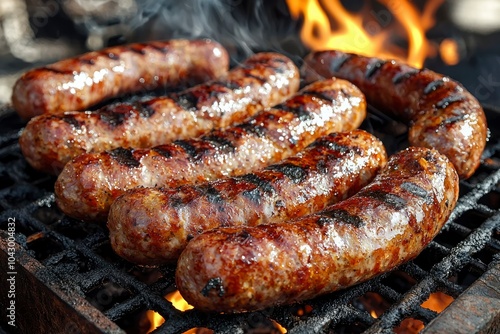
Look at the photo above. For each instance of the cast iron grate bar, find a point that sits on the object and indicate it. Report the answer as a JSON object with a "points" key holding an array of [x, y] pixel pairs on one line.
{"points": [[80, 255]]}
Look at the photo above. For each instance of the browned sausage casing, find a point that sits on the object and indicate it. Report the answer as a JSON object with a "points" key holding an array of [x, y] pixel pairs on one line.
{"points": [[440, 112], [151, 226], [89, 184], [49, 141], [388, 222], [80, 82]]}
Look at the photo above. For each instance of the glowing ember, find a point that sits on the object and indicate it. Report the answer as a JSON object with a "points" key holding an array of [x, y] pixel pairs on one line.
{"points": [[374, 40], [409, 326], [177, 301], [279, 327], [448, 49], [156, 320], [437, 302]]}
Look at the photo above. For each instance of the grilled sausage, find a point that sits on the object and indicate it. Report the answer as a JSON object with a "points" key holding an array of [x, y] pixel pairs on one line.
{"points": [[80, 82], [440, 112], [49, 141], [152, 226], [388, 222], [89, 184]]}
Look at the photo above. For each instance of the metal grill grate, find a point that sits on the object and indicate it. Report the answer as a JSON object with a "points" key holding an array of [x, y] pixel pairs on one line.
{"points": [[77, 259]]}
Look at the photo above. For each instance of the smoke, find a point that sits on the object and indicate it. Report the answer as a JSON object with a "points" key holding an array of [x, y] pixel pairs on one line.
{"points": [[243, 27]]}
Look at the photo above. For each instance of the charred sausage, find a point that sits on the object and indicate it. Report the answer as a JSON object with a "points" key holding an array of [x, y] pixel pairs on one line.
{"points": [[152, 226], [89, 184], [49, 141], [80, 82], [440, 112], [388, 222]]}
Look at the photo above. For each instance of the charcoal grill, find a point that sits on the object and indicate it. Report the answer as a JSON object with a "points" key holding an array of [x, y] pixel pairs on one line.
{"points": [[68, 280]]}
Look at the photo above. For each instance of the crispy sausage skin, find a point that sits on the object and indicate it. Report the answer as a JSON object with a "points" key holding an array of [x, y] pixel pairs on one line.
{"points": [[388, 222], [49, 141], [80, 82], [150, 226], [89, 183], [440, 112]]}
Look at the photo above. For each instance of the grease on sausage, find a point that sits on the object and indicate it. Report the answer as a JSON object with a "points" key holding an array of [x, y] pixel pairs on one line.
{"points": [[441, 113], [80, 82], [152, 226], [49, 141], [89, 184], [388, 222]]}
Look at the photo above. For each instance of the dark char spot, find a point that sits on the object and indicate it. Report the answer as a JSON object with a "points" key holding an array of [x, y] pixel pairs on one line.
{"points": [[337, 63], [262, 184], [449, 100], [213, 283], [212, 194], [187, 147], [124, 156], [187, 101], [232, 85], [373, 68], [403, 76], [253, 195], [220, 142], [112, 55], [163, 151], [70, 119], [256, 77], [417, 191], [144, 109], [394, 201], [162, 48], [295, 173], [258, 130], [434, 85], [319, 95], [340, 216], [299, 111]]}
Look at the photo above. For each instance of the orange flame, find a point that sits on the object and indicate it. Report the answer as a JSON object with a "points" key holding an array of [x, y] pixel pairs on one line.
{"points": [[156, 320], [437, 301], [375, 40]]}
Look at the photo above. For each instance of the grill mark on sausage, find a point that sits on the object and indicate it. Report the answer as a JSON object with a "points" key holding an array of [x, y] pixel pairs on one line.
{"points": [[70, 119], [115, 116], [433, 86], [124, 157], [213, 284], [140, 49], [262, 184], [449, 100], [187, 101], [53, 70], [256, 77], [337, 63], [299, 111], [160, 48], [295, 173], [111, 55], [458, 118], [394, 201], [163, 151], [339, 215], [373, 68], [326, 142], [258, 130], [403, 76], [416, 190], [188, 148], [227, 84], [319, 95], [144, 108], [212, 194], [220, 142]]}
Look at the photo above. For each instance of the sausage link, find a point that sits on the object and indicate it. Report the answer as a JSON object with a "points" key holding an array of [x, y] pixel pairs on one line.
{"points": [[152, 226], [80, 82], [441, 113], [388, 222], [49, 141], [89, 184]]}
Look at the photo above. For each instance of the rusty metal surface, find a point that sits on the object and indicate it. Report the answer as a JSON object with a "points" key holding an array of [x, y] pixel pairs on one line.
{"points": [[42, 306], [477, 310]]}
